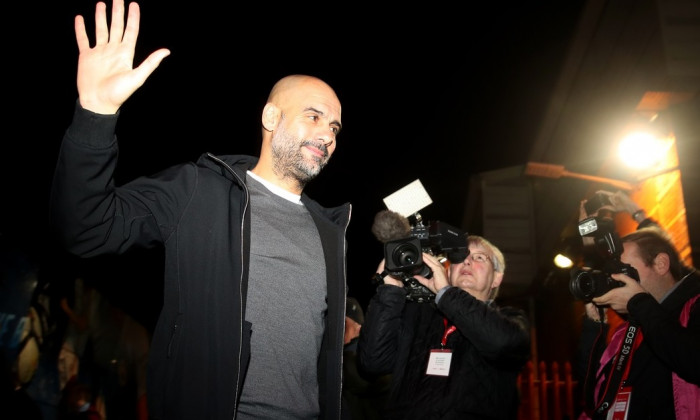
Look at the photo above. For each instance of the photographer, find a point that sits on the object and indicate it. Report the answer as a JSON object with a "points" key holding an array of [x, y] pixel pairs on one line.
{"points": [[652, 357], [456, 357]]}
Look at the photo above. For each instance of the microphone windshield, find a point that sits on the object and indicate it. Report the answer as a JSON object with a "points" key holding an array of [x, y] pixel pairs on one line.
{"points": [[389, 226]]}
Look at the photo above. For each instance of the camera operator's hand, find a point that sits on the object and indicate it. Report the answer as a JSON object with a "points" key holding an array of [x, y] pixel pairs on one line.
{"points": [[621, 202], [593, 312], [388, 279], [608, 201], [439, 278], [618, 297]]}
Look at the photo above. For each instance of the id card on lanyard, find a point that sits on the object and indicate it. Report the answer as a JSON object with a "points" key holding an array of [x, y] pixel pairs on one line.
{"points": [[440, 359], [621, 406]]}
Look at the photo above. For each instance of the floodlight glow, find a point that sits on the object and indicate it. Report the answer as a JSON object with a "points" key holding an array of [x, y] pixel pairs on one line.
{"points": [[562, 261], [641, 150]]}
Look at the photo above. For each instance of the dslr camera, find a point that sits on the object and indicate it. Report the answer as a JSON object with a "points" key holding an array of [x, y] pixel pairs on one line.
{"points": [[586, 282], [404, 257]]}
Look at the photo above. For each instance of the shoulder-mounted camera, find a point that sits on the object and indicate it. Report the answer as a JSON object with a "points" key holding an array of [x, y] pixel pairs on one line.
{"points": [[404, 257]]}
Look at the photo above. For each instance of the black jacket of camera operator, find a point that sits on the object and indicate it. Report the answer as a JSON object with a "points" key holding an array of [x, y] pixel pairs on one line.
{"points": [[586, 282]]}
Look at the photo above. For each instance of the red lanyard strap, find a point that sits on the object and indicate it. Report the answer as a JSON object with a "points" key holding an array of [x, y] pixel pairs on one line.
{"points": [[620, 367], [448, 330]]}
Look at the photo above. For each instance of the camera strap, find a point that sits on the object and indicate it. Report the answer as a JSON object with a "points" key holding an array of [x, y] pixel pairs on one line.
{"points": [[629, 339]]}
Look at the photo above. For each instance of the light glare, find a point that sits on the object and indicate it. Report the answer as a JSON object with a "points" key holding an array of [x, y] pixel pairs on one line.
{"points": [[563, 261], [642, 150]]}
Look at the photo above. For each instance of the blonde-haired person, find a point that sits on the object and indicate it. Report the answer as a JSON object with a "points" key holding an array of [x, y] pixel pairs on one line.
{"points": [[456, 357]]}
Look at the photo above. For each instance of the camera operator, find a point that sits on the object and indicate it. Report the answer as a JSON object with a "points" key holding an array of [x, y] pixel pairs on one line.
{"points": [[652, 358], [456, 357]]}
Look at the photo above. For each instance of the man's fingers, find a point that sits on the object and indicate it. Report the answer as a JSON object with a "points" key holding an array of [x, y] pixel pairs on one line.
{"points": [[80, 35], [101, 31], [132, 24], [117, 26]]}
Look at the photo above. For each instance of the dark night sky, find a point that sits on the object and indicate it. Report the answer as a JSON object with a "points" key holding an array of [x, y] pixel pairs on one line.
{"points": [[436, 94]]}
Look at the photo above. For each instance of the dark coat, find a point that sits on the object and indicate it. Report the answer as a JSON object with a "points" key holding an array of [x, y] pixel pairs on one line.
{"points": [[490, 347], [199, 213]]}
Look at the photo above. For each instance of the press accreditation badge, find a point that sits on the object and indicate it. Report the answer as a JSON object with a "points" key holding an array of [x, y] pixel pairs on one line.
{"points": [[621, 405], [439, 362]]}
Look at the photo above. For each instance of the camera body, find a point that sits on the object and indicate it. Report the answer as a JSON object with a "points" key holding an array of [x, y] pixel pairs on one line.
{"points": [[596, 202], [587, 283], [404, 257]]}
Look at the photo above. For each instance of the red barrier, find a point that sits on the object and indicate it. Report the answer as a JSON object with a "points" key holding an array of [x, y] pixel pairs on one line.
{"points": [[544, 395]]}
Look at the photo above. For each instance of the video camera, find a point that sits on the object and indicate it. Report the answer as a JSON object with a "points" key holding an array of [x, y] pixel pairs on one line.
{"points": [[587, 283], [404, 257]]}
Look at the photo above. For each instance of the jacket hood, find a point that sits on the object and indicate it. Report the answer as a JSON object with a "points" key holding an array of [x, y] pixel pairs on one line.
{"points": [[225, 163]]}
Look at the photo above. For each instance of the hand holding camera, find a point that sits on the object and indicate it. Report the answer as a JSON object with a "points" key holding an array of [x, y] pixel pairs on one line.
{"points": [[438, 279], [388, 278], [606, 202], [405, 244], [618, 297], [587, 283]]}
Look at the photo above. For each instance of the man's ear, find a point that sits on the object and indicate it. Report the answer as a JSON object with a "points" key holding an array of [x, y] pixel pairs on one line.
{"points": [[270, 116], [662, 263]]}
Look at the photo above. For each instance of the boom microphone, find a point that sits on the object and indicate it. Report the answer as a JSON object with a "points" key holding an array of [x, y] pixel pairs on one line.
{"points": [[389, 226]]}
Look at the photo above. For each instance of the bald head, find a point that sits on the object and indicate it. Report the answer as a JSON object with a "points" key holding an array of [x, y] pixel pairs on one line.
{"points": [[300, 123], [295, 88]]}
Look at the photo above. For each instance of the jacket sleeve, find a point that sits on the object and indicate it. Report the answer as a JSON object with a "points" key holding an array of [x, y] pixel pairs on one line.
{"points": [[501, 335], [677, 346], [379, 335], [89, 213]]}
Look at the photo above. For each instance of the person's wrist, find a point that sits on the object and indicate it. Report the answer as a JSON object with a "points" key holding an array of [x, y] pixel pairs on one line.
{"points": [[378, 278]]}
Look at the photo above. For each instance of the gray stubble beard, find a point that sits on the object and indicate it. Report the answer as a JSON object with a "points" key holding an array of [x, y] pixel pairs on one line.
{"points": [[289, 161]]}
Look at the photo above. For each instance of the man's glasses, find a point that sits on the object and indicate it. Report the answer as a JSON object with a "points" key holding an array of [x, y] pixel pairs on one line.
{"points": [[479, 257]]}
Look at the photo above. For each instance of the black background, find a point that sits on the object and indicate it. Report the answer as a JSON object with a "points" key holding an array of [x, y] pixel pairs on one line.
{"points": [[430, 92]]}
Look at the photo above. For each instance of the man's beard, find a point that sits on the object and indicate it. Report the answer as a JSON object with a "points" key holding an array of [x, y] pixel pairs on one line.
{"points": [[289, 160]]}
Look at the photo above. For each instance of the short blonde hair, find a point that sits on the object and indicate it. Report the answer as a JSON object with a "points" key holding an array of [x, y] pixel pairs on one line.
{"points": [[497, 258]]}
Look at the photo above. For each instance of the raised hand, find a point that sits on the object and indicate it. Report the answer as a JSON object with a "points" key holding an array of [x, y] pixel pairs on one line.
{"points": [[439, 277], [106, 76]]}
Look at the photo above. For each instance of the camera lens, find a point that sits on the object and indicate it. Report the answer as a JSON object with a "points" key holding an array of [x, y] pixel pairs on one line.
{"points": [[584, 283], [406, 255], [403, 255]]}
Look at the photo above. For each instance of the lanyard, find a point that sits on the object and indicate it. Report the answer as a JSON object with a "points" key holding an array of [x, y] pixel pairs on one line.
{"points": [[620, 366], [448, 330]]}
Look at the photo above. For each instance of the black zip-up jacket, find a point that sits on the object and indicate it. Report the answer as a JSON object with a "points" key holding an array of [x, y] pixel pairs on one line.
{"points": [[199, 212], [489, 349]]}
